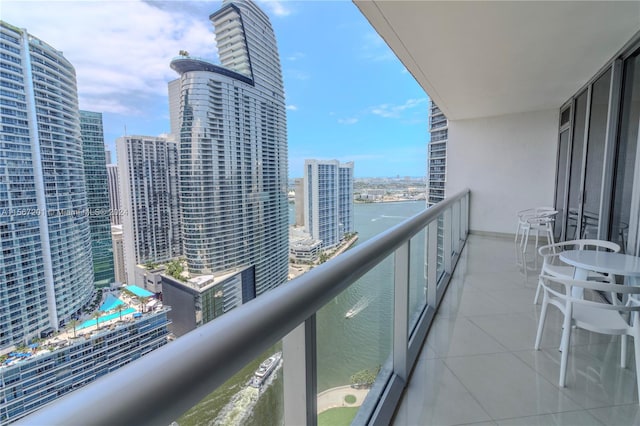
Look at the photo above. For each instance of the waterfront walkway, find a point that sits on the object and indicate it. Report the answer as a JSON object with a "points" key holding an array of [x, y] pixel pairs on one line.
{"points": [[334, 398]]}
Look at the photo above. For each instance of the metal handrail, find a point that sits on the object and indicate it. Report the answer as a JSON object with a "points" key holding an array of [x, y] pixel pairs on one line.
{"points": [[164, 384]]}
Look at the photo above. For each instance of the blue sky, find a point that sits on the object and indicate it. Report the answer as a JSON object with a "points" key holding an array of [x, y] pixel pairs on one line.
{"points": [[348, 96]]}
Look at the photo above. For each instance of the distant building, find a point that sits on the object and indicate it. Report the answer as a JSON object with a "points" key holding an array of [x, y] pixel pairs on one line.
{"points": [[46, 272], [230, 123], [95, 177], [345, 198], [437, 161], [107, 155], [118, 253], [148, 173], [115, 206], [46, 374], [150, 277], [200, 299], [302, 246], [328, 200], [299, 201]]}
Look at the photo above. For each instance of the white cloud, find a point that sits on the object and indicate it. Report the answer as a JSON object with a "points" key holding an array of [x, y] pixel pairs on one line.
{"points": [[276, 7], [351, 120], [395, 111], [296, 74], [295, 56], [292, 107], [121, 50]]}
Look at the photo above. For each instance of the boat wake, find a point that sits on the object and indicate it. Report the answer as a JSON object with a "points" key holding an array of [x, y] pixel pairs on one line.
{"points": [[358, 307], [241, 405]]}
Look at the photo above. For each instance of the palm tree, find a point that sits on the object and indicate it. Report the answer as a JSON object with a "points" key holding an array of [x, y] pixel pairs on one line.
{"points": [[97, 315], [72, 324], [143, 302], [120, 308]]}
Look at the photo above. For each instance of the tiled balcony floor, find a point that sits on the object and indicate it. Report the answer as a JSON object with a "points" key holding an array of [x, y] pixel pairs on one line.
{"points": [[478, 365]]}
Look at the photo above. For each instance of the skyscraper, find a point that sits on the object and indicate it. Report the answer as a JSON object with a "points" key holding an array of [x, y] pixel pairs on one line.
{"points": [[149, 189], [230, 122], [45, 245], [115, 207], [95, 173], [118, 253], [328, 195], [437, 161]]}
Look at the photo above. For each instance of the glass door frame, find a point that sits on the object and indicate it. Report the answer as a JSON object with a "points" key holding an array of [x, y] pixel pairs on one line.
{"points": [[567, 127]]}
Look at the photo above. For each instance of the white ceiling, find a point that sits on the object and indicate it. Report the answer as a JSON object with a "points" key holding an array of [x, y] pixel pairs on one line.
{"points": [[485, 58]]}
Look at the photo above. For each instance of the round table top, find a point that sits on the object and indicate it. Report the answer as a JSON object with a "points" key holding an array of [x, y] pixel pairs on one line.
{"points": [[603, 261]]}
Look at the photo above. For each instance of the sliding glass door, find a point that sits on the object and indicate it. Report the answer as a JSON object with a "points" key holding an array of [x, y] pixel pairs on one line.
{"points": [[626, 186]]}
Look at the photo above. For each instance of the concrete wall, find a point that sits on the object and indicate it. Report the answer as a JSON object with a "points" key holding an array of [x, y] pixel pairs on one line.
{"points": [[508, 162]]}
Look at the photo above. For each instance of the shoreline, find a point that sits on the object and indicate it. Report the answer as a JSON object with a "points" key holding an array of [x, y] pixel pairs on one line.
{"points": [[386, 201], [334, 397]]}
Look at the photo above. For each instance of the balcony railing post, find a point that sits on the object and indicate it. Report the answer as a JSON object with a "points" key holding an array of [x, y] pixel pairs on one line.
{"points": [[447, 242], [455, 236], [301, 374], [465, 221], [432, 264], [401, 310]]}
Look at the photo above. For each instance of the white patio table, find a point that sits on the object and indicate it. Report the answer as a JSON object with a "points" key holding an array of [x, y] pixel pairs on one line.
{"points": [[602, 261]]}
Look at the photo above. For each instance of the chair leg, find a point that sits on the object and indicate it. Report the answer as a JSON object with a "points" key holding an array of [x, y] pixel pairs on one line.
{"points": [[517, 232], [543, 317], [636, 347], [550, 234], [564, 347], [535, 299]]}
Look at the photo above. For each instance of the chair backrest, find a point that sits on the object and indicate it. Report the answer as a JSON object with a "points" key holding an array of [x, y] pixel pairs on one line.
{"points": [[565, 294], [555, 249], [535, 211]]}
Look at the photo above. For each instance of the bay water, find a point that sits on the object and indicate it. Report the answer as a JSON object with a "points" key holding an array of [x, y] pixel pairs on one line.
{"points": [[354, 332]]}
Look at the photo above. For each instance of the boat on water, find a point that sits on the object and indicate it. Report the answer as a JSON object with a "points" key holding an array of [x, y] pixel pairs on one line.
{"points": [[265, 369], [357, 308]]}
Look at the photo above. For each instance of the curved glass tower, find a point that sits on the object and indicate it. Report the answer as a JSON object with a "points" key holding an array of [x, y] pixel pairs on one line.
{"points": [[230, 121], [46, 272]]}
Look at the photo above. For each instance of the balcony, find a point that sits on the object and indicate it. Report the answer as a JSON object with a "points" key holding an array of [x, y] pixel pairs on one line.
{"points": [[417, 256], [478, 364]]}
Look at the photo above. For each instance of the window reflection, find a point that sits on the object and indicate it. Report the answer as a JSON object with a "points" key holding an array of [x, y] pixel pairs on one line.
{"points": [[626, 155]]}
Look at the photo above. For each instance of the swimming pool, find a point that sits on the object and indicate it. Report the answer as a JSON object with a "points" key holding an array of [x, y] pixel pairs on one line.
{"points": [[139, 291], [111, 302], [89, 323]]}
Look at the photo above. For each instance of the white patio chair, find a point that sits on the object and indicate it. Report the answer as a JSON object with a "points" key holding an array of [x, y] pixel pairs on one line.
{"points": [[523, 215], [553, 266], [592, 313], [542, 222]]}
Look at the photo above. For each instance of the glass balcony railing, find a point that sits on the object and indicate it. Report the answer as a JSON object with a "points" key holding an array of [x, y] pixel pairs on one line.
{"points": [[383, 330]]}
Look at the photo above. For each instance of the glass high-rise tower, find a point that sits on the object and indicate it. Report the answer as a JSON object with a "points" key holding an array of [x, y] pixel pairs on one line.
{"points": [[46, 270], [230, 121], [328, 200], [149, 191], [95, 172], [437, 159]]}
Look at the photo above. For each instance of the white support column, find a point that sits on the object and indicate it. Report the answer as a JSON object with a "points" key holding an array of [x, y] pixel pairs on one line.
{"points": [[455, 230], [300, 375], [447, 240], [401, 310], [432, 264]]}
